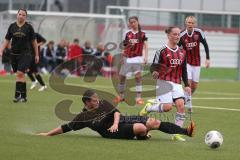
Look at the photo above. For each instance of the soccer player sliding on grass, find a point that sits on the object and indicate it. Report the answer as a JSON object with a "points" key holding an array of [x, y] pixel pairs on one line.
{"points": [[104, 118]]}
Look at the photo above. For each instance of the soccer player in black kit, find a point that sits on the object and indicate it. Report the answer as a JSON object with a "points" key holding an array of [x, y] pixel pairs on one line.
{"points": [[21, 35], [102, 117], [33, 71]]}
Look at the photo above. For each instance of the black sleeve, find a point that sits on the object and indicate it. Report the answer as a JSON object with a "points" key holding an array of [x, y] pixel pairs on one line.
{"points": [[31, 33], [180, 44], [156, 62], [109, 105], [204, 42], [9, 34], [66, 128], [40, 38], [145, 38], [75, 124], [184, 73], [125, 41]]}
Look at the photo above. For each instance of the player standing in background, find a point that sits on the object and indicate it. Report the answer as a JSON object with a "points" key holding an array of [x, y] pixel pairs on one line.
{"points": [[22, 37], [134, 55], [34, 66], [190, 41], [169, 65]]}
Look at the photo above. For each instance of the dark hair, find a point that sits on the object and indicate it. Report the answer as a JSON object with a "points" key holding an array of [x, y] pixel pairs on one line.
{"points": [[22, 9], [76, 40], [169, 29], [139, 27], [51, 42], [87, 95]]}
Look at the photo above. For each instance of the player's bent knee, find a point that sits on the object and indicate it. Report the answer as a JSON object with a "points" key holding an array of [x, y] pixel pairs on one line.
{"points": [[180, 105], [20, 75], [139, 129], [180, 108], [194, 85], [167, 107], [152, 123]]}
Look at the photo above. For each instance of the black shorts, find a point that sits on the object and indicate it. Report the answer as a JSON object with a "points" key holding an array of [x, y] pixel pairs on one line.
{"points": [[133, 119], [125, 131], [21, 62], [125, 127]]}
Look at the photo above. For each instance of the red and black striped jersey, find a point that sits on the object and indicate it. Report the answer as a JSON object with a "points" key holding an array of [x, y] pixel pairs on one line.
{"points": [[191, 43], [170, 64], [134, 42]]}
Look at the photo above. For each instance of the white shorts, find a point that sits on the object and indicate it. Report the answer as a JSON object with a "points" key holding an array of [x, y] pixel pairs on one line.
{"points": [[177, 92], [193, 72], [131, 65]]}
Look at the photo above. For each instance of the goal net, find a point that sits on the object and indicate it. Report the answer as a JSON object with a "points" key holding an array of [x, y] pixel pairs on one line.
{"points": [[59, 25]]}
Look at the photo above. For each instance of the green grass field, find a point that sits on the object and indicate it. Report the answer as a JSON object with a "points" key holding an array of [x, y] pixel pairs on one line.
{"points": [[20, 122]]}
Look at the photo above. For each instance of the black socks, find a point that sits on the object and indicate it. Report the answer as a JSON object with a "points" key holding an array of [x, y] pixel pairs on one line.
{"points": [[171, 128], [40, 80], [21, 90], [18, 90], [30, 75]]}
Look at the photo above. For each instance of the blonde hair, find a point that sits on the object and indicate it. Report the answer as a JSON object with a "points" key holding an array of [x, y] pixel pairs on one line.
{"points": [[191, 17]]}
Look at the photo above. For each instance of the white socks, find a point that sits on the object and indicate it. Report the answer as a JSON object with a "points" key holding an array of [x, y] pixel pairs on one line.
{"points": [[156, 107]]}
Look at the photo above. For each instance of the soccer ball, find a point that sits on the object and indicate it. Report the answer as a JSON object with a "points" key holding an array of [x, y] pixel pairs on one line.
{"points": [[213, 139]]}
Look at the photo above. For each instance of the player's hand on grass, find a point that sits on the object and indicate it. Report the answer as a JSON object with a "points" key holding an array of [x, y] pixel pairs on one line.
{"points": [[42, 134], [155, 75], [207, 63], [113, 128]]}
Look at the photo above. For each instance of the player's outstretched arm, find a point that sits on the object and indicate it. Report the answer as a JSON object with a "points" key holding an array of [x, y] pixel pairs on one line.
{"points": [[53, 132]]}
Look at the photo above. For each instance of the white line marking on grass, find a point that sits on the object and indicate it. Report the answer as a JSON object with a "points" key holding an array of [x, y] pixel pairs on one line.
{"points": [[219, 93], [217, 108], [217, 98], [110, 86]]}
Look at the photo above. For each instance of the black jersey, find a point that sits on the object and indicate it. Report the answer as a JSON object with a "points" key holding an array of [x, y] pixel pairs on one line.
{"points": [[39, 39], [21, 37], [98, 120]]}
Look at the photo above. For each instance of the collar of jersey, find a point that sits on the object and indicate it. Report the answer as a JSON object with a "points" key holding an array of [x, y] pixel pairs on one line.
{"points": [[134, 32], [191, 33], [171, 48]]}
